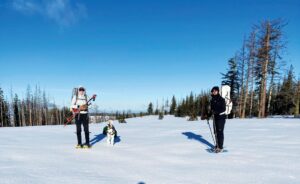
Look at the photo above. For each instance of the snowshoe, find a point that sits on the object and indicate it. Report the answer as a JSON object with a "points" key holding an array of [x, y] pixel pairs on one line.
{"points": [[87, 146], [79, 146], [218, 150]]}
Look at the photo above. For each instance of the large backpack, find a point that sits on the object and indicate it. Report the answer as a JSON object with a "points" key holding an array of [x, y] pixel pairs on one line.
{"points": [[225, 93], [74, 93]]}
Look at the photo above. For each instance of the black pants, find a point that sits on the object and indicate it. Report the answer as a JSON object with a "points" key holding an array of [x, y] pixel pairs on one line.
{"points": [[219, 131], [82, 119]]}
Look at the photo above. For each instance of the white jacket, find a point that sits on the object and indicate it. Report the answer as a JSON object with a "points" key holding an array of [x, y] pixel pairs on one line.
{"points": [[81, 100]]}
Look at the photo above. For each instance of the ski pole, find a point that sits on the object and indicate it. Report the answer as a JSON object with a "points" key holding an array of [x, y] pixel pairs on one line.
{"points": [[211, 132], [215, 131]]}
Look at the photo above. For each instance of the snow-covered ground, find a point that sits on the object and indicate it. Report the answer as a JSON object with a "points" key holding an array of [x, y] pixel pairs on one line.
{"points": [[152, 151]]}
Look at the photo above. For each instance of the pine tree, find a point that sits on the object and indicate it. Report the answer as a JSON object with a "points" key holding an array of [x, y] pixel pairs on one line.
{"points": [[180, 112], [269, 37], [156, 112], [16, 111], [231, 79], [173, 106], [285, 99], [204, 107], [192, 113], [122, 118], [297, 99], [4, 111], [150, 109], [161, 115]]}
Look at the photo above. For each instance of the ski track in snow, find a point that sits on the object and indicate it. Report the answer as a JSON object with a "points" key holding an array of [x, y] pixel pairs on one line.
{"points": [[172, 150]]}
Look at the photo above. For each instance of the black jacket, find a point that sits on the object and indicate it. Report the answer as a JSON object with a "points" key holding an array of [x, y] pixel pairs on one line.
{"points": [[217, 106]]}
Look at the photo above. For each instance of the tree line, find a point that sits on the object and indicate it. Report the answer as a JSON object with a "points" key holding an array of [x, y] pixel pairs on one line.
{"points": [[193, 106], [34, 109], [261, 85]]}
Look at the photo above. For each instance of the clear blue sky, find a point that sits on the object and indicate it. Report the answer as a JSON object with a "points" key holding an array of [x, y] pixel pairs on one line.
{"points": [[130, 52]]}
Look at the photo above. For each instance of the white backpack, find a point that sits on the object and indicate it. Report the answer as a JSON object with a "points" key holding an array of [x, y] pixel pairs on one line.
{"points": [[225, 93]]}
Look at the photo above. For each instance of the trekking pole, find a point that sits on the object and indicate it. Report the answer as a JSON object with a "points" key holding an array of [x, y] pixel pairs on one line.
{"points": [[211, 131], [215, 131]]}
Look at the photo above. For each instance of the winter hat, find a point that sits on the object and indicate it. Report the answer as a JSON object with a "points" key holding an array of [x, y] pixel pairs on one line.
{"points": [[215, 88], [81, 88], [110, 122]]}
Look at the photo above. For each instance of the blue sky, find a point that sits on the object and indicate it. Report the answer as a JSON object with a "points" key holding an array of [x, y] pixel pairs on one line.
{"points": [[130, 52]]}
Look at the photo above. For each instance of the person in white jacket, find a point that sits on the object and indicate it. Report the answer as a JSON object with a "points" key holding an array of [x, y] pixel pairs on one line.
{"points": [[80, 107]]}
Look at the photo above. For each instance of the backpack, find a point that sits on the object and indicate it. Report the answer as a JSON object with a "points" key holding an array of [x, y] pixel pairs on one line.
{"points": [[225, 93]]}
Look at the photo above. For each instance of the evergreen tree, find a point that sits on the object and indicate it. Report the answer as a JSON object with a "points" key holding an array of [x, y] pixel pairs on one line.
{"points": [[150, 109], [231, 79], [297, 99], [4, 111], [156, 111], [161, 115], [285, 99], [192, 113], [204, 107], [173, 105], [180, 109], [16, 111], [122, 118], [269, 38]]}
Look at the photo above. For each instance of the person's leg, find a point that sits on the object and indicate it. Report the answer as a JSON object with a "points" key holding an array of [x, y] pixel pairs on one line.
{"points": [[215, 125], [85, 122], [78, 130], [220, 132]]}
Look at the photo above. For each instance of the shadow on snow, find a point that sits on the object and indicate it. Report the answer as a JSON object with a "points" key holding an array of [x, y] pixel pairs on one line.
{"points": [[100, 137], [193, 136]]}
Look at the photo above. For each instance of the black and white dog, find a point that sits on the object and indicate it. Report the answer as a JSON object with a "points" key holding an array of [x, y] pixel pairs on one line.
{"points": [[111, 133]]}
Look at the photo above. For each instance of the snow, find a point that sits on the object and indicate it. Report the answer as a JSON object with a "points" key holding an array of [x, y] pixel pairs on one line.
{"points": [[149, 151]]}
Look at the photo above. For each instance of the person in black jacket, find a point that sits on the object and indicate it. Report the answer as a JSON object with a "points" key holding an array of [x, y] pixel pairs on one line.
{"points": [[218, 108]]}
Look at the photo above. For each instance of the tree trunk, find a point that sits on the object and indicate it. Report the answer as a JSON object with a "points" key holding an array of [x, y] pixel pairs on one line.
{"points": [[270, 94], [246, 91], [262, 105], [241, 97]]}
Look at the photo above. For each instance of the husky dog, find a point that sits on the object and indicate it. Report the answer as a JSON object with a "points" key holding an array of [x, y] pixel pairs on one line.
{"points": [[111, 133]]}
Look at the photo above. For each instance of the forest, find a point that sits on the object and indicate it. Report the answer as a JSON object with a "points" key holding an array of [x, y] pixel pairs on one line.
{"points": [[262, 84]]}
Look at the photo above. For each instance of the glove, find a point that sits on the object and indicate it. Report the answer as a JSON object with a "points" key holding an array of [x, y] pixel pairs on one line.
{"points": [[209, 115]]}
